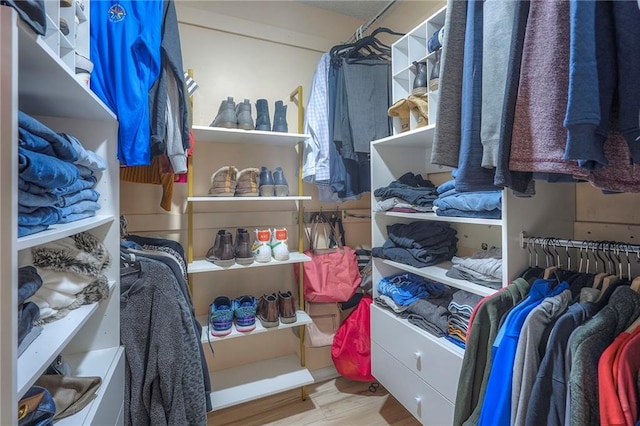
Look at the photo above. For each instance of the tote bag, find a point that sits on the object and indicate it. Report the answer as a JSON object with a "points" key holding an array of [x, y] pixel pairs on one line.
{"points": [[332, 275], [351, 349]]}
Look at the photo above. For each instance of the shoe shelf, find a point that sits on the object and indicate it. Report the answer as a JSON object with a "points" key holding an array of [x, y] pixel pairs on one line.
{"points": [[202, 265], [436, 218], [54, 337], [438, 273], [108, 364], [48, 87], [227, 199], [303, 319], [62, 230], [256, 380], [249, 137]]}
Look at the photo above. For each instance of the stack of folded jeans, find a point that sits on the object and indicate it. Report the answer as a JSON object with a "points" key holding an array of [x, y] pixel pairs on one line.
{"points": [[56, 177], [410, 193], [460, 308], [28, 312], [478, 204], [419, 244]]}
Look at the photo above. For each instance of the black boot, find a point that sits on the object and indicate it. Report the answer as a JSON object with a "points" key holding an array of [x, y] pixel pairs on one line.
{"points": [[280, 118], [262, 115]]}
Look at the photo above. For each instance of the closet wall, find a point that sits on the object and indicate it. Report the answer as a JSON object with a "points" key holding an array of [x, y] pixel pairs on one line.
{"points": [[248, 50]]}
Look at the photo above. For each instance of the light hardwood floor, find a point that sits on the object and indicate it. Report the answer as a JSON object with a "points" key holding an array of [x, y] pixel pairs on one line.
{"points": [[334, 402]]}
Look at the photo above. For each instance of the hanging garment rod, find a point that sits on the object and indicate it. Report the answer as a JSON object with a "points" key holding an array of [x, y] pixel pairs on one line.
{"points": [[599, 245], [363, 28]]}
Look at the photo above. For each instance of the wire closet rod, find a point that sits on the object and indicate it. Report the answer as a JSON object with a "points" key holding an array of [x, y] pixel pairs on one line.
{"points": [[363, 28], [599, 245]]}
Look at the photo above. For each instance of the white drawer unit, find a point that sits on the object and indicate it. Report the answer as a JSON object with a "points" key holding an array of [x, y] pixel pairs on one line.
{"points": [[434, 360], [420, 399]]}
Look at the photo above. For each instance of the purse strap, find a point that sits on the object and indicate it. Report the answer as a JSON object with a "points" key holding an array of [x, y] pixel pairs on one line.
{"points": [[320, 227], [336, 222]]}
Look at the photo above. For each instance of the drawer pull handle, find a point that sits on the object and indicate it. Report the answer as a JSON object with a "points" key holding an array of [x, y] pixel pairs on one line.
{"points": [[418, 400], [417, 355]]}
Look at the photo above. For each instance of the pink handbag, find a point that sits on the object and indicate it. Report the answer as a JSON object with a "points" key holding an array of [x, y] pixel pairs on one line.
{"points": [[332, 275]]}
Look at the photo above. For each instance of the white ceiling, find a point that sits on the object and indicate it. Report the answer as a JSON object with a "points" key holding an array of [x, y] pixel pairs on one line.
{"points": [[362, 9]]}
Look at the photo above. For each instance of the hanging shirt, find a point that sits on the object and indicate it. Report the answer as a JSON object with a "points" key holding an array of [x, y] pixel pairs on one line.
{"points": [[125, 51], [315, 165]]}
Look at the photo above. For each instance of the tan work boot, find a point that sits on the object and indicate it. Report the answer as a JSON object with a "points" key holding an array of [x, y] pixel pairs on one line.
{"points": [[224, 181], [419, 106], [401, 110]]}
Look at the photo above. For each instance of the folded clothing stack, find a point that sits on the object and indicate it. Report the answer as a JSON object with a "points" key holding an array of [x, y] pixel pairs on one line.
{"points": [[478, 204], [482, 268], [460, 308], [418, 244], [56, 176], [409, 193]]}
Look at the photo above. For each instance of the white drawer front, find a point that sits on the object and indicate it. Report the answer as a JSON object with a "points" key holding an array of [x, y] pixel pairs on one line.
{"points": [[434, 360], [420, 399]]}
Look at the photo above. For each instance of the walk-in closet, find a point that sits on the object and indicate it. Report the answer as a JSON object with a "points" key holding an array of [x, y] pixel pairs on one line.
{"points": [[416, 212]]}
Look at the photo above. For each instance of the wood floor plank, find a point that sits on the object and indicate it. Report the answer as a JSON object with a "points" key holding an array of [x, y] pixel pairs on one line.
{"points": [[333, 402]]}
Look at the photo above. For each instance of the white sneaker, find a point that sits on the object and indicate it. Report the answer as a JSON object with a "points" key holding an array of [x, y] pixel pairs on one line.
{"points": [[261, 247], [279, 247]]}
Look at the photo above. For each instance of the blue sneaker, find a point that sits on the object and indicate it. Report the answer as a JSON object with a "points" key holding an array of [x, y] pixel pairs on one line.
{"points": [[244, 309], [221, 316]]}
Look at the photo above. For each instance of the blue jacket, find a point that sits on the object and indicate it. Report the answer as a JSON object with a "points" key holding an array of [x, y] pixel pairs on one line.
{"points": [[125, 51]]}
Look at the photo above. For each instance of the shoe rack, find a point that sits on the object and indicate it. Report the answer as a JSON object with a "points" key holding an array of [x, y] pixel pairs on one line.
{"points": [[251, 381], [410, 48]]}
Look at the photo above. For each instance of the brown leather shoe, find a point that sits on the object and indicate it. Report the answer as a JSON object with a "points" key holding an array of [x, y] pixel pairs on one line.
{"points": [[267, 311], [244, 255], [287, 308]]}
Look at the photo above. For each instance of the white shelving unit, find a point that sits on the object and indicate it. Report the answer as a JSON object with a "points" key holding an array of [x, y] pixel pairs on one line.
{"points": [[419, 369], [409, 49], [246, 382], [39, 79]]}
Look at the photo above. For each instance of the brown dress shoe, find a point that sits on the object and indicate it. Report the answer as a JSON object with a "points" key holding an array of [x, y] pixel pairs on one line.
{"points": [[267, 311], [287, 307]]}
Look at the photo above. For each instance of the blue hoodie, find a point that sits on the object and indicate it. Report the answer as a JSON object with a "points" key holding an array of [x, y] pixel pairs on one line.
{"points": [[125, 51]]}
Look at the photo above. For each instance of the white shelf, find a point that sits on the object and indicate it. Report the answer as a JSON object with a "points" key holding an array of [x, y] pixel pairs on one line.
{"points": [[248, 382], [440, 341], [213, 199], [436, 218], [438, 273], [55, 232], [103, 363], [420, 137], [205, 266], [303, 318], [48, 87], [54, 337], [249, 137]]}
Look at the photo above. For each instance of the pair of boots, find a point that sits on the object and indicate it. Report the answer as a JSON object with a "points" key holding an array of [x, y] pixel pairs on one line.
{"points": [[224, 253], [273, 184], [232, 116], [227, 181], [279, 117], [413, 104], [275, 309]]}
